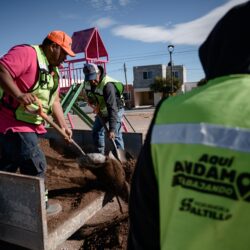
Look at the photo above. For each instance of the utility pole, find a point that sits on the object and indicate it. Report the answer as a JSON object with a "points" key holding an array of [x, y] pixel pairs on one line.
{"points": [[127, 100], [125, 73]]}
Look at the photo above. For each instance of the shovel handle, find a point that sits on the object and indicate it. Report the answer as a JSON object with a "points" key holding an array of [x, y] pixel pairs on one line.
{"points": [[61, 131], [54, 125], [39, 111]]}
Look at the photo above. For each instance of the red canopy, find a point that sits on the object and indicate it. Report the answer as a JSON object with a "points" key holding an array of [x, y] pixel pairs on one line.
{"points": [[90, 43]]}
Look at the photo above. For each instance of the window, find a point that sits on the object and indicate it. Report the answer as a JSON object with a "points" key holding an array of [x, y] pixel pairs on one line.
{"points": [[176, 74], [151, 95], [147, 75]]}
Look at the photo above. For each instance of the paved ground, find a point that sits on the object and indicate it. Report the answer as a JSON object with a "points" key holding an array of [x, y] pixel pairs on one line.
{"points": [[136, 120]]}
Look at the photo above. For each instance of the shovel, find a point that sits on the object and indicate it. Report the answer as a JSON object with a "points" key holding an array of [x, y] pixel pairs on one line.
{"points": [[40, 112], [61, 131], [119, 154], [90, 159]]}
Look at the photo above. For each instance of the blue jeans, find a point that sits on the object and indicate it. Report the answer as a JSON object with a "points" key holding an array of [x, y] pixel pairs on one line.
{"points": [[98, 133], [21, 151]]}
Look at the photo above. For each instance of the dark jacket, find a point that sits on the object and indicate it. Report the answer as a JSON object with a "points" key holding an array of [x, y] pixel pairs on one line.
{"points": [[226, 51]]}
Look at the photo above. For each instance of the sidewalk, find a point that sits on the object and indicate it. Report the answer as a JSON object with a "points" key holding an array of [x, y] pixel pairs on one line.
{"points": [[136, 120]]}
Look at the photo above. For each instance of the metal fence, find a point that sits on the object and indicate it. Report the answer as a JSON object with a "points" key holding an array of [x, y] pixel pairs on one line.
{"points": [[69, 76]]}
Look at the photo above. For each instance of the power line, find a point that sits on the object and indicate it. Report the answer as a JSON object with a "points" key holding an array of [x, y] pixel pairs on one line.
{"points": [[155, 52], [145, 56], [151, 54], [121, 59]]}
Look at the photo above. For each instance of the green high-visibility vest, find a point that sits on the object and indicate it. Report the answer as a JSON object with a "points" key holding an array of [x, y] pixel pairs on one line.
{"points": [[97, 96], [45, 89], [200, 147]]}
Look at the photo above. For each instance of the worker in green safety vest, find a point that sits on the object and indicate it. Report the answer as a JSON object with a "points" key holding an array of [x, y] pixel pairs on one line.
{"points": [[191, 186], [28, 73], [105, 94]]}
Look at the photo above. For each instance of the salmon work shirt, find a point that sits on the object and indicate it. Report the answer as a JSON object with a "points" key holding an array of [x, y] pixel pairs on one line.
{"points": [[21, 62]]}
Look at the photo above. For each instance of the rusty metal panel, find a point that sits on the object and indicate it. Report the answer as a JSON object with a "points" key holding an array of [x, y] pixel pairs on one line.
{"points": [[22, 211]]}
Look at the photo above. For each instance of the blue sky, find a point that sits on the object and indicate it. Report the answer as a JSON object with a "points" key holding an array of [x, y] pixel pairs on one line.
{"points": [[135, 32]]}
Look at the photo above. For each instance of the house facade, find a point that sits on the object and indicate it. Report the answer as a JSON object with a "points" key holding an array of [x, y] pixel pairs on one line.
{"points": [[188, 86], [144, 76]]}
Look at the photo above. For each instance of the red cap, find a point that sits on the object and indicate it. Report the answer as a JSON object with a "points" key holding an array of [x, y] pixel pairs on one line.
{"points": [[63, 40]]}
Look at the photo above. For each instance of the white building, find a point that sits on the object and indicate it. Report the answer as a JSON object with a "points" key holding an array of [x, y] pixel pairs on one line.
{"points": [[188, 86], [144, 76]]}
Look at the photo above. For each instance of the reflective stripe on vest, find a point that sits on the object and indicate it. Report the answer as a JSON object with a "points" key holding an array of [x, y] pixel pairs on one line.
{"points": [[206, 134]]}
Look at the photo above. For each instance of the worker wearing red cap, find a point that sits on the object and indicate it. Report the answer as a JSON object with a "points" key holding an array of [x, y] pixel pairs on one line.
{"points": [[28, 72]]}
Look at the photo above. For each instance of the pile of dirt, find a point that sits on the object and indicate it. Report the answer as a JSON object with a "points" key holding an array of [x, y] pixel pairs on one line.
{"points": [[74, 187], [113, 236]]}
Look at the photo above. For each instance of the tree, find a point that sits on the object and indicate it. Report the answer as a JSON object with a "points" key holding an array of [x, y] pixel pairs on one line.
{"points": [[164, 85], [202, 82]]}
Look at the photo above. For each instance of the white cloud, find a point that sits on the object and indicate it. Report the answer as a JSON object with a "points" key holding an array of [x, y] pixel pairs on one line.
{"points": [[190, 33], [96, 3], [142, 33], [104, 22], [105, 5], [123, 2], [108, 5]]}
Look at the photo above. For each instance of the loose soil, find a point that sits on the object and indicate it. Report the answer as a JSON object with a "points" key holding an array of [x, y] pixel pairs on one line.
{"points": [[74, 187], [69, 185]]}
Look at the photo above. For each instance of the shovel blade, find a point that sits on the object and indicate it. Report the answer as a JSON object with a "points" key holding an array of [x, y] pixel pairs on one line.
{"points": [[91, 161], [119, 155]]}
